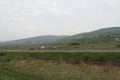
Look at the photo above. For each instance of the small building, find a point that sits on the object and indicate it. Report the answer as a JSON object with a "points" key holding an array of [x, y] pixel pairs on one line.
{"points": [[42, 47]]}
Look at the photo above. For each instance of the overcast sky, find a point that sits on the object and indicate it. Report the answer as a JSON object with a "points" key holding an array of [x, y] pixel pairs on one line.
{"points": [[27, 18]]}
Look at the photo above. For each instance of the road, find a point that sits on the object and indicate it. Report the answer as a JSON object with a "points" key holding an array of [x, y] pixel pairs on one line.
{"points": [[80, 50]]}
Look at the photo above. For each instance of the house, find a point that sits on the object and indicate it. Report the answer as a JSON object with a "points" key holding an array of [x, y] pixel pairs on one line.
{"points": [[42, 47]]}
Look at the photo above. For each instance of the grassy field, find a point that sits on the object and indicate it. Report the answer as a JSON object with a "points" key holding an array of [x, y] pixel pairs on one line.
{"points": [[111, 45], [59, 66]]}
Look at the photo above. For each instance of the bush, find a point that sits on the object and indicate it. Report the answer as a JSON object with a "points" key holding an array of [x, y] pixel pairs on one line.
{"points": [[2, 54], [76, 61], [31, 48], [118, 46], [75, 43]]}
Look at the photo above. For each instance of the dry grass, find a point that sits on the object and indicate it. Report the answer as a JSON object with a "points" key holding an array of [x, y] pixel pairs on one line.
{"points": [[63, 71]]}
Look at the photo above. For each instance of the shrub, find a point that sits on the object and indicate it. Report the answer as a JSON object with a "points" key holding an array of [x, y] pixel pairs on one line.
{"points": [[2, 54], [31, 48], [75, 61], [118, 45], [74, 43]]}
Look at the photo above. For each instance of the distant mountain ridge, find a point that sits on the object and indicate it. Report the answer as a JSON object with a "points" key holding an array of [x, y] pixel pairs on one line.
{"points": [[101, 35], [34, 40]]}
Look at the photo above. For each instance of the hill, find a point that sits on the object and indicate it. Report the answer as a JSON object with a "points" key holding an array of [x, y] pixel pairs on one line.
{"points": [[49, 39], [104, 35]]}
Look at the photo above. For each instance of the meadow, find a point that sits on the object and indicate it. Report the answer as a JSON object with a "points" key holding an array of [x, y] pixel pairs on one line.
{"points": [[59, 66]]}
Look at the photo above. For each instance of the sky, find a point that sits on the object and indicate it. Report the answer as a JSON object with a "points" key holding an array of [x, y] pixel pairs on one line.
{"points": [[28, 18]]}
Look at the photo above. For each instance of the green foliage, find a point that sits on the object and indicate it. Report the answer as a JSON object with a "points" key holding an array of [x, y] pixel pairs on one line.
{"points": [[118, 46], [66, 56], [45, 66], [74, 43], [31, 48], [2, 54]]}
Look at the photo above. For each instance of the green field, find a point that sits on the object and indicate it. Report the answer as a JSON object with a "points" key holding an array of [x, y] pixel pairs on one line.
{"points": [[59, 66]]}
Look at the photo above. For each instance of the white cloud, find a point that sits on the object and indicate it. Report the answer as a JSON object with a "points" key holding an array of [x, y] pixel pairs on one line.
{"points": [[42, 17]]}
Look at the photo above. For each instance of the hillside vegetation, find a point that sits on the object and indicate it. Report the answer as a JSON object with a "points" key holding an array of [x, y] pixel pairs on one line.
{"points": [[105, 35], [102, 38]]}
